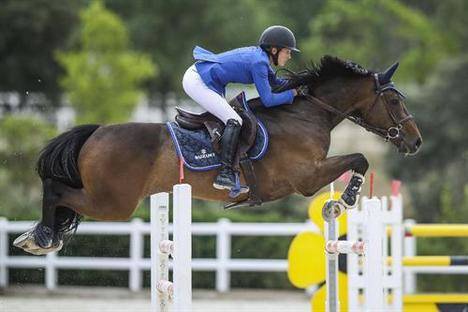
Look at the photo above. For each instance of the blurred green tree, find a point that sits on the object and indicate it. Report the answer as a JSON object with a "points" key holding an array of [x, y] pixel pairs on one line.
{"points": [[21, 139], [436, 176], [170, 29], [448, 16], [29, 31], [102, 78], [375, 33]]}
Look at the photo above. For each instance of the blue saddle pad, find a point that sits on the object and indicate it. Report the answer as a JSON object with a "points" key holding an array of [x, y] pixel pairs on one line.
{"points": [[195, 149]]}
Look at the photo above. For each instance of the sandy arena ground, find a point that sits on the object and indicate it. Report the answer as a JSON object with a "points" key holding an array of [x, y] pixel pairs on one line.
{"points": [[121, 300]]}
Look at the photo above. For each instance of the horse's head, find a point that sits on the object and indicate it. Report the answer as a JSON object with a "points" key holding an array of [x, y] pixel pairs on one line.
{"points": [[383, 111], [369, 99]]}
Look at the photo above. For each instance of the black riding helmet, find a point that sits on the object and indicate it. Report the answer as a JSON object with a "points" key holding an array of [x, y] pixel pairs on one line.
{"points": [[278, 36]]}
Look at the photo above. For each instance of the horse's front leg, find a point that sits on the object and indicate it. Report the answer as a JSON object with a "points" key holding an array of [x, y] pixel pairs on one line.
{"points": [[329, 169], [350, 196]]}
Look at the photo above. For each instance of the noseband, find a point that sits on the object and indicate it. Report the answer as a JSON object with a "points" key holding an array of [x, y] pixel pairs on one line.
{"points": [[393, 132]]}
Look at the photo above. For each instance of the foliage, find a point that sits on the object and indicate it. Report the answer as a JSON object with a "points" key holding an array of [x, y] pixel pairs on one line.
{"points": [[448, 16], [102, 78], [169, 30], [21, 139], [437, 172], [29, 31], [376, 34]]}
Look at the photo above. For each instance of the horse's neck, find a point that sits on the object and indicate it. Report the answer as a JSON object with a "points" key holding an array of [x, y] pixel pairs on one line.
{"points": [[341, 99], [303, 121], [300, 119]]}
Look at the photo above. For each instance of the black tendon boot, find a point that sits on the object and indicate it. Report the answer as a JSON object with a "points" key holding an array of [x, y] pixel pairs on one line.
{"points": [[226, 178], [350, 196]]}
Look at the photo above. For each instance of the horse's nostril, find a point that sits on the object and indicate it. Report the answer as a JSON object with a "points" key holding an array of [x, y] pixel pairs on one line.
{"points": [[418, 143]]}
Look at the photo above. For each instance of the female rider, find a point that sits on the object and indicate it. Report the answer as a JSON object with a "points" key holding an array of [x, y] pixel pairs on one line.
{"points": [[205, 83]]}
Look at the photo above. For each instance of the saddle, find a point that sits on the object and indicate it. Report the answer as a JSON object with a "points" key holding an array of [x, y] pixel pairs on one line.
{"points": [[215, 127]]}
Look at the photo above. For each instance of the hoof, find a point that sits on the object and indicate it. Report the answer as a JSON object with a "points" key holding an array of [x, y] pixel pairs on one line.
{"points": [[27, 242], [351, 204]]}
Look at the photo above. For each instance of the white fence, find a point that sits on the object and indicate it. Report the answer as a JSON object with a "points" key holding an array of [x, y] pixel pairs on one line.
{"points": [[223, 230], [136, 263]]}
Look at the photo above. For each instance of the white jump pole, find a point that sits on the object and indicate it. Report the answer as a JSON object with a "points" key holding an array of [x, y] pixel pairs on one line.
{"points": [[393, 273], [176, 294], [356, 282], [159, 216], [333, 248], [373, 273], [370, 279], [183, 247], [332, 302]]}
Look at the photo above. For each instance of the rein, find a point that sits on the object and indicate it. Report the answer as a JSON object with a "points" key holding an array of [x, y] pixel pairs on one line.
{"points": [[391, 133]]}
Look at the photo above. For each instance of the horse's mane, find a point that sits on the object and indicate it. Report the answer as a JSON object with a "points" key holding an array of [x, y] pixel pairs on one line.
{"points": [[330, 67]]}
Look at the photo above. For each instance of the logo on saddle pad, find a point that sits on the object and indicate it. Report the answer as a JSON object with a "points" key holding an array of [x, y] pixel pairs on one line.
{"points": [[204, 155]]}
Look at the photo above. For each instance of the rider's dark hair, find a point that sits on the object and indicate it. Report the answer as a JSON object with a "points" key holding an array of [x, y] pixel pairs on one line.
{"points": [[268, 49]]}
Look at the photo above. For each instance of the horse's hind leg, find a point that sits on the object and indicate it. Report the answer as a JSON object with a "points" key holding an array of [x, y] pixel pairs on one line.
{"points": [[59, 206], [58, 215]]}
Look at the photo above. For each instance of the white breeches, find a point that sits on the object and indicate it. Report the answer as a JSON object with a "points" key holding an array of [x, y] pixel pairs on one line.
{"points": [[208, 99]]}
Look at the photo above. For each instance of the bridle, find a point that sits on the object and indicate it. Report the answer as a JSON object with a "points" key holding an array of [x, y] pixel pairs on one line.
{"points": [[393, 132]]}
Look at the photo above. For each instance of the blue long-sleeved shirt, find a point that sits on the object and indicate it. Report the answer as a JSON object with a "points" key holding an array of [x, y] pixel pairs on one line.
{"points": [[244, 65]]}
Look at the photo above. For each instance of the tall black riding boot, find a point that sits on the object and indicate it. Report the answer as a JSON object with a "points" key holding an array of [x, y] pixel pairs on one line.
{"points": [[226, 178]]}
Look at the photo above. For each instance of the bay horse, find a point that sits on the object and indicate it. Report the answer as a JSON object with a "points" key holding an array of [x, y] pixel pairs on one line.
{"points": [[103, 172]]}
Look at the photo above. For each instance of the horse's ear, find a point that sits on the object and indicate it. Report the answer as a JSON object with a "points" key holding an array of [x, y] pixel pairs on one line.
{"points": [[386, 76]]}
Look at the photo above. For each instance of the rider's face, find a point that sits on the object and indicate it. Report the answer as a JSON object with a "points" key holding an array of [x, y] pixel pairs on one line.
{"points": [[284, 55]]}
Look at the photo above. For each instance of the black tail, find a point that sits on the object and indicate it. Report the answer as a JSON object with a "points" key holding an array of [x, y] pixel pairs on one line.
{"points": [[59, 159]]}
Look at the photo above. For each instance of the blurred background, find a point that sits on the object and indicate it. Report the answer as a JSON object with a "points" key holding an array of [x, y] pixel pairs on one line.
{"points": [[64, 63]]}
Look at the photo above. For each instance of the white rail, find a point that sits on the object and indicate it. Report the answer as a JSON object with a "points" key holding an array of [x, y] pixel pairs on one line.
{"points": [[136, 264], [223, 265]]}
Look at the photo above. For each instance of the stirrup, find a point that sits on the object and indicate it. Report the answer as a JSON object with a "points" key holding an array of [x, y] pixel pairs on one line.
{"points": [[234, 190], [238, 188]]}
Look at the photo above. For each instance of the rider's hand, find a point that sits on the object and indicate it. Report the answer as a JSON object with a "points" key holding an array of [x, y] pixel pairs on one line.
{"points": [[302, 90], [294, 92]]}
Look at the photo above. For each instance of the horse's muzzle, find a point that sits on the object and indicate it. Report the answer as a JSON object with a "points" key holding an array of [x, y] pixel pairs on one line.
{"points": [[410, 147]]}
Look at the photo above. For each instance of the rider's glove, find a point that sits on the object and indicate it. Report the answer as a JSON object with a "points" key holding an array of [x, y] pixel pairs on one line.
{"points": [[302, 90]]}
